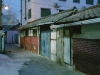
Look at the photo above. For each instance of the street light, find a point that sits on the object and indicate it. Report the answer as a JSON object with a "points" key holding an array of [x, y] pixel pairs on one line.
{"points": [[6, 7]]}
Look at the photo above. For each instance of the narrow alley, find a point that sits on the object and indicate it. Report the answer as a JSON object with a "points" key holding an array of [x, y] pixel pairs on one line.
{"points": [[17, 61]]}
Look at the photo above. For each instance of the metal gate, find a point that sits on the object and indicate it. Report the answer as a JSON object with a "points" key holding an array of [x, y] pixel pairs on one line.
{"points": [[45, 43], [87, 55]]}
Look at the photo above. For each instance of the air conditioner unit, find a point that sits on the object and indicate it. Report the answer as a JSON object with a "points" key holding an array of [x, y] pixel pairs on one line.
{"points": [[56, 5]]}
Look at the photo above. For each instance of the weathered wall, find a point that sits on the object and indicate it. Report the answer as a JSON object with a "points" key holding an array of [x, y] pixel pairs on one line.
{"points": [[53, 45], [86, 48], [34, 44], [27, 43], [59, 58], [89, 32]]}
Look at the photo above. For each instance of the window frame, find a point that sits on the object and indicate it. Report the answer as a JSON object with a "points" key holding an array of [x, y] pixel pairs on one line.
{"points": [[35, 33], [28, 0], [26, 32], [29, 14], [42, 14], [90, 2], [62, 0], [76, 1]]}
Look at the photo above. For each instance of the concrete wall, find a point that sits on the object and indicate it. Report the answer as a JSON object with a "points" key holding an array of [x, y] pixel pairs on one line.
{"points": [[91, 31]]}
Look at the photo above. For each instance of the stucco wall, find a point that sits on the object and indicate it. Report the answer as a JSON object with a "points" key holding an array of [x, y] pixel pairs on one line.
{"points": [[89, 32]]}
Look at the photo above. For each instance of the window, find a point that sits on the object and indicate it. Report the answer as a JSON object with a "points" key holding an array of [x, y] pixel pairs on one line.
{"points": [[98, 1], [62, 0], [45, 12], [26, 33], [29, 13], [28, 0], [34, 32], [89, 2], [76, 1], [61, 10]]}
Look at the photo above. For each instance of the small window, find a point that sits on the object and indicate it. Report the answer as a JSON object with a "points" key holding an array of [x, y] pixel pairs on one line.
{"points": [[89, 2], [45, 12], [35, 32], [76, 1], [98, 1], [61, 10], [29, 13], [62, 0], [26, 33]]}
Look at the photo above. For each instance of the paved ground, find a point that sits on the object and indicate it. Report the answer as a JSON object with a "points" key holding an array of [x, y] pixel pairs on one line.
{"points": [[22, 62]]}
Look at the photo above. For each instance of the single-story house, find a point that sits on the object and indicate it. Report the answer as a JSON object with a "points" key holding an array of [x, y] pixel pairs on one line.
{"points": [[39, 38], [81, 40]]}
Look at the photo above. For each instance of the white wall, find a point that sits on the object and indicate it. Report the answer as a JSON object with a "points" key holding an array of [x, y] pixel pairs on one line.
{"points": [[36, 5]]}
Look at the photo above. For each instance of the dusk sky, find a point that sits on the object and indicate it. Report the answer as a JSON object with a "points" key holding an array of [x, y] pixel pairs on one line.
{"points": [[14, 5]]}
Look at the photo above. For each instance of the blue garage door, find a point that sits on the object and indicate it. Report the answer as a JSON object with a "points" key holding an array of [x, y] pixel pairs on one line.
{"points": [[45, 43]]}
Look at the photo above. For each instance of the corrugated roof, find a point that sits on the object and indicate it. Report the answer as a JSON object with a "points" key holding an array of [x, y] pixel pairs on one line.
{"points": [[51, 18], [85, 14]]}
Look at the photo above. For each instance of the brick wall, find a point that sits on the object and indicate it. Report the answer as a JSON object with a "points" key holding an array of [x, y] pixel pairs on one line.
{"points": [[34, 44], [87, 55]]}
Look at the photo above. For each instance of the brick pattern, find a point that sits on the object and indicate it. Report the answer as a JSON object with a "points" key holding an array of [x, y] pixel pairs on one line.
{"points": [[27, 43], [87, 55], [34, 44]]}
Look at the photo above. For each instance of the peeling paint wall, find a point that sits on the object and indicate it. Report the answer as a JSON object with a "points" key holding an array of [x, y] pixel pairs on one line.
{"points": [[60, 46], [53, 45]]}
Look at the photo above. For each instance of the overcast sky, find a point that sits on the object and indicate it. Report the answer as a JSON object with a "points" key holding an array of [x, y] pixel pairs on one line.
{"points": [[14, 5]]}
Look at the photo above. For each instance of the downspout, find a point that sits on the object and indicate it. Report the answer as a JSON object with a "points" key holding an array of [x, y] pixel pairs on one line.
{"points": [[0, 14], [21, 12], [25, 9]]}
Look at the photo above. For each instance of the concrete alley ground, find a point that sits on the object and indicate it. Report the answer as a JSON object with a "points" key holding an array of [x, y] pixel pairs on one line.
{"points": [[17, 61]]}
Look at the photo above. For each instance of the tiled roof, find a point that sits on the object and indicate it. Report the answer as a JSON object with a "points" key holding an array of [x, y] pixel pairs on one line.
{"points": [[85, 14], [51, 18]]}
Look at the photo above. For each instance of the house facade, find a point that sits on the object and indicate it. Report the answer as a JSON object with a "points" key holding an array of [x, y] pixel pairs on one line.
{"points": [[84, 40], [35, 9]]}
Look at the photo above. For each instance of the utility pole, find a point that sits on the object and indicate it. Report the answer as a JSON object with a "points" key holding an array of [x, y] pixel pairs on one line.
{"points": [[1, 31], [0, 14]]}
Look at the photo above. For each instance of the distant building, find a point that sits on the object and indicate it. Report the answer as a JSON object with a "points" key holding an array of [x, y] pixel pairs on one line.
{"points": [[34, 9]]}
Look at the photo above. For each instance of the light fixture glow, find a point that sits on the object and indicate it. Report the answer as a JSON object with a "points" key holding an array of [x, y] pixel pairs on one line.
{"points": [[6, 7]]}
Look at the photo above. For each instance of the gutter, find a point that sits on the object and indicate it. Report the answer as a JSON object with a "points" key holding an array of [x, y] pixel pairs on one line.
{"points": [[96, 20]]}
